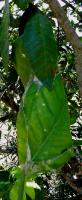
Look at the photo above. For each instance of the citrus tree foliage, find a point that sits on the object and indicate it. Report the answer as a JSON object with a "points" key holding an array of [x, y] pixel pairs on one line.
{"points": [[4, 39], [41, 58], [37, 46]]}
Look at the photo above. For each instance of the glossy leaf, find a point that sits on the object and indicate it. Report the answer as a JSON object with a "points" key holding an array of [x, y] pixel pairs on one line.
{"points": [[43, 124], [36, 49], [41, 47]]}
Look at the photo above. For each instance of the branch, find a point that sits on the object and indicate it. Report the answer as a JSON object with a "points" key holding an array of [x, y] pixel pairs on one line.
{"points": [[73, 8], [64, 22], [71, 35], [69, 5], [72, 184]]}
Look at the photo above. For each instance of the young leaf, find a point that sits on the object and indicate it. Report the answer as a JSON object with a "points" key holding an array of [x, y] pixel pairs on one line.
{"points": [[4, 38], [33, 184], [16, 172], [30, 192], [43, 124], [30, 188]]}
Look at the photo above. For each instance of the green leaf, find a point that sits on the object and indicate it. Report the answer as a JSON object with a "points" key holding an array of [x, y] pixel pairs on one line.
{"points": [[4, 38], [36, 49], [27, 187], [32, 184], [30, 191], [16, 172], [15, 191], [41, 47], [18, 190], [5, 188], [21, 61], [43, 125], [22, 3]]}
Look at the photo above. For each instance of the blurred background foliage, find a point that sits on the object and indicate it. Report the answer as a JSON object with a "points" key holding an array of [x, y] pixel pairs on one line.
{"points": [[67, 184]]}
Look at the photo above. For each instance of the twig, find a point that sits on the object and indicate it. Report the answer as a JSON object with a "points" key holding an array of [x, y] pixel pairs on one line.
{"points": [[7, 116], [69, 5], [9, 101], [71, 35]]}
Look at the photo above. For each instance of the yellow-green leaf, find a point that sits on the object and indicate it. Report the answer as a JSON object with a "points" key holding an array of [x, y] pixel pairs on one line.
{"points": [[43, 125], [4, 37]]}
